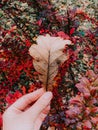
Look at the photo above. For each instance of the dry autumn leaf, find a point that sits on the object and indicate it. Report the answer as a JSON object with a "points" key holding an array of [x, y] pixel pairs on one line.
{"points": [[51, 128], [48, 55]]}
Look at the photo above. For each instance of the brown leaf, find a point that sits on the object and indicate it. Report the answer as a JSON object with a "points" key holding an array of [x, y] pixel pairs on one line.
{"points": [[48, 55], [51, 128]]}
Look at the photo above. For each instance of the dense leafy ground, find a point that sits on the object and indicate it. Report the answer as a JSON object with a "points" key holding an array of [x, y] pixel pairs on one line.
{"points": [[75, 102]]}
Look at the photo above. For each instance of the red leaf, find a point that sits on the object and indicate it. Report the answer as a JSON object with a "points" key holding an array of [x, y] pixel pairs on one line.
{"points": [[87, 125], [94, 110], [94, 120], [28, 43], [83, 89], [32, 87], [11, 98], [76, 100], [79, 11], [87, 111], [23, 90], [85, 81], [0, 120], [12, 29], [42, 31], [39, 22], [73, 111], [63, 35], [72, 31], [91, 74], [93, 90]]}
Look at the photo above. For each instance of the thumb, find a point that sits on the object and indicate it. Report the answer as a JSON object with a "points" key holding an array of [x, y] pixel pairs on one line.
{"points": [[35, 110]]}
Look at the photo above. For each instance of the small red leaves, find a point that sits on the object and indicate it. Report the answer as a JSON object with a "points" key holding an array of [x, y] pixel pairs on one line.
{"points": [[28, 43], [83, 106], [11, 98], [22, 25], [31, 89], [73, 111]]}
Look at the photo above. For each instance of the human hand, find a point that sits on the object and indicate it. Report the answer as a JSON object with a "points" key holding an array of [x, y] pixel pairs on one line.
{"points": [[22, 116]]}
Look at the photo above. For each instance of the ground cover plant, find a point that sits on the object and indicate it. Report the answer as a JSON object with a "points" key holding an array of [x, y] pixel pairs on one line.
{"points": [[75, 86]]}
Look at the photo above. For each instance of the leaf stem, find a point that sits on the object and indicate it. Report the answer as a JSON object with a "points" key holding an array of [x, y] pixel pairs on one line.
{"points": [[48, 72]]}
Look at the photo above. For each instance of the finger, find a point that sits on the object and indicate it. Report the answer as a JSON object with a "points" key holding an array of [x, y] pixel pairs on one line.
{"points": [[42, 116], [27, 99], [46, 110], [40, 105], [44, 113]]}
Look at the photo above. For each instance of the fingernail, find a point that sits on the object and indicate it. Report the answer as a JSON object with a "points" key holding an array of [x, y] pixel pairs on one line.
{"points": [[48, 95]]}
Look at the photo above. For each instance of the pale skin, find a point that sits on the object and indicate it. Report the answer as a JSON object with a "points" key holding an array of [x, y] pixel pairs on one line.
{"points": [[23, 116]]}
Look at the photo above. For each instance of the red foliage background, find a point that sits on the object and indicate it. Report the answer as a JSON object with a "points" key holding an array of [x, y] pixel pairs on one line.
{"points": [[17, 74]]}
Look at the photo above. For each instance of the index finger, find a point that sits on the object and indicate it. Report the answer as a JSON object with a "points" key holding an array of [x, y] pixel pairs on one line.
{"points": [[27, 99]]}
